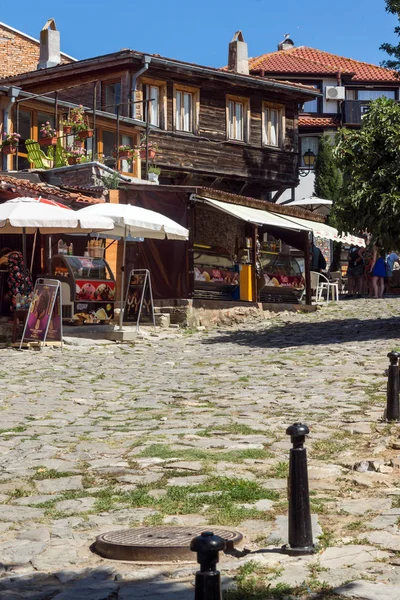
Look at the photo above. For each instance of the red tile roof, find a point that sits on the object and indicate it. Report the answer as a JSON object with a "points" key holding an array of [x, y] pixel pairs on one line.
{"points": [[310, 61], [23, 187], [306, 121]]}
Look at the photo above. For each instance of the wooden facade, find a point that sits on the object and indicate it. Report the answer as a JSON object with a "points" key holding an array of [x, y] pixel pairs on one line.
{"points": [[203, 156]]}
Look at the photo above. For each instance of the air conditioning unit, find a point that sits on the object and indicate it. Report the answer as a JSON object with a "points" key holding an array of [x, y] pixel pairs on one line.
{"points": [[335, 92]]}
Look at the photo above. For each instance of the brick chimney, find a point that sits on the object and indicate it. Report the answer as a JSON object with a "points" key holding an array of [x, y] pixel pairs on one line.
{"points": [[238, 57], [287, 43], [49, 46]]}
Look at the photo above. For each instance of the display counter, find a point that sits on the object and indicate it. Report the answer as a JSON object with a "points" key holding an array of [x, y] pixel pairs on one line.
{"points": [[216, 277], [282, 277], [88, 288]]}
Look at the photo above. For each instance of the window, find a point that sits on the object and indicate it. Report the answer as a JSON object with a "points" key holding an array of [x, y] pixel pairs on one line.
{"points": [[273, 125], [375, 94], [111, 97], [312, 106], [238, 118], [235, 123], [184, 111], [186, 108], [28, 126], [152, 92], [308, 143]]}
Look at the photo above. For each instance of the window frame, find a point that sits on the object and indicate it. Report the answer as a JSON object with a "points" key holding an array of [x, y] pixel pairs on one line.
{"points": [[246, 118], [103, 96], [195, 108], [266, 124], [162, 100], [34, 128]]}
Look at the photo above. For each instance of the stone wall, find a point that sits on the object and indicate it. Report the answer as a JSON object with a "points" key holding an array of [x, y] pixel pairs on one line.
{"points": [[215, 228], [18, 54]]}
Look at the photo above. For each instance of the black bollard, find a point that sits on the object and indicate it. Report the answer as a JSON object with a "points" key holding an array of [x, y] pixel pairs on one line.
{"points": [[393, 388], [300, 530], [208, 579]]}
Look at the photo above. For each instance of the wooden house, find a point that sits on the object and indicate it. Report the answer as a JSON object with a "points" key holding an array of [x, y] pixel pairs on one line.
{"points": [[218, 128]]}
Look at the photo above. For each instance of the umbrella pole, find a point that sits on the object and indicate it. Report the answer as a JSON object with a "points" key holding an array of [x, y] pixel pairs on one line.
{"points": [[24, 256], [33, 250], [121, 312]]}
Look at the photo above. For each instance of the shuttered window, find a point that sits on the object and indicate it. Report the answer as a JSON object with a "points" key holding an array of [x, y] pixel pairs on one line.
{"points": [[235, 120]]}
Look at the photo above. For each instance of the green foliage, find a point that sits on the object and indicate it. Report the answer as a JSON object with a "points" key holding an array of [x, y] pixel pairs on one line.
{"points": [[370, 162], [328, 178], [393, 7]]}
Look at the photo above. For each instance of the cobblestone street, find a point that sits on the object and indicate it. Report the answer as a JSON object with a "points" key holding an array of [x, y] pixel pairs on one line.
{"points": [[188, 428]]}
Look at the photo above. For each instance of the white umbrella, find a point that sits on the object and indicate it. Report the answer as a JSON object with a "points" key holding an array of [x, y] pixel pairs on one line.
{"points": [[28, 215], [313, 203], [135, 222]]}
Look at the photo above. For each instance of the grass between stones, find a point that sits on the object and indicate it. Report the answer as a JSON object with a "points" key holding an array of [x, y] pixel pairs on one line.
{"points": [[235, 456], [255, 582], [217, 499]]}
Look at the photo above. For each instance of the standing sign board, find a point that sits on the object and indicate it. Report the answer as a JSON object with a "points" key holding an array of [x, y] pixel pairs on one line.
{"points": [[44, 313], [139, 304]]}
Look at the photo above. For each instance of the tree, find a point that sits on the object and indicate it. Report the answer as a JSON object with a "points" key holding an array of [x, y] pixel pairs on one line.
{"points": [[370, 162], [393, 7], [328, 178]]}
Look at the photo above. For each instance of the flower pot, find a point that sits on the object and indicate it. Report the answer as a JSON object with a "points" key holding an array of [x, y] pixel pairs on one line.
{"points": [[125, 154], [48, 141], [76, 118], [9, 149], [85, 133], [79, 143], [153, 177], [152, 154], [67, 129], [72, 160]]}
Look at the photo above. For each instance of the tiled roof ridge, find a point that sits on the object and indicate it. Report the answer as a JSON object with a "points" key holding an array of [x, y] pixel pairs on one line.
{"points": [[44, 189]]}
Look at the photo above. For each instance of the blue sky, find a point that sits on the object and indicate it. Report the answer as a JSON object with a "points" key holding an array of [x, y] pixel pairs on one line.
{"points": [[200, 31]]}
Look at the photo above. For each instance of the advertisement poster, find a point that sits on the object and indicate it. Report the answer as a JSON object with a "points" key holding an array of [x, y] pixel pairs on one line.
{"points": [[40, 312], [54, 332], [89, 313], [94, 291], [139, 299]]}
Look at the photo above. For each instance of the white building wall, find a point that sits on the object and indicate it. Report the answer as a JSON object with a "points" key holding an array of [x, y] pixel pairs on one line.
{"points": [[329, 106]]}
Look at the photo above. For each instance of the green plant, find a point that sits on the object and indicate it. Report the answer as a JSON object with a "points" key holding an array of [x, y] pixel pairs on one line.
{"points": [[112, 181], [155, 170]]}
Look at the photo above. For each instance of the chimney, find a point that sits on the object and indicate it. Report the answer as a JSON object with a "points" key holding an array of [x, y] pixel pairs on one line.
{"points": [[287, 43], [49, 46], [238, 57]]}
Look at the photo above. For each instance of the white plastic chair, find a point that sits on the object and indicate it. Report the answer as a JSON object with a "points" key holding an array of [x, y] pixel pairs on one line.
{"points": [[327, 285]]}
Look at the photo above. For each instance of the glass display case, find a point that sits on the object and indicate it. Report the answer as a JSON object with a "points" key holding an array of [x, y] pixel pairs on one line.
{"points": [[216, 275], [283, 279], [88, 288]]}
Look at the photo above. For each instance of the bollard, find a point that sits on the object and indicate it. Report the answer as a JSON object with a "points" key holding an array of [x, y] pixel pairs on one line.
{"points": [[393, 388], [300, 530], [208, 579]]}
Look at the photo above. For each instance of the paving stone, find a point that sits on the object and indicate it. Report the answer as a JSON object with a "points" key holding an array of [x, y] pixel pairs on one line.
{"points": [[76, 506], [19, 552], [19, 513], [345, 556], [185, 481], [185, 466], [61, 484], [384, 539], [364, 505], [367, 590]]}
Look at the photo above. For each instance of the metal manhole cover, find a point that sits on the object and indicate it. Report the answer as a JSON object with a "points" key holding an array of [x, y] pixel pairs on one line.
{"points": [[156, 544]]}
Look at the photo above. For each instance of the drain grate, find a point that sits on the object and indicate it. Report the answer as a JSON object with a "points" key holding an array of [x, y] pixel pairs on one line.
{"points": [[156, 544]]}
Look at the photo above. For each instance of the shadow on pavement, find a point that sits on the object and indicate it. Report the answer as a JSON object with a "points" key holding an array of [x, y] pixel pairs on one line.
{"points": [[322, 333], [101, 583]]}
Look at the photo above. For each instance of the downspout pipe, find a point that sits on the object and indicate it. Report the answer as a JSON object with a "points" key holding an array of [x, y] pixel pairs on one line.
{"points": [[135, 76], [12, 93]]}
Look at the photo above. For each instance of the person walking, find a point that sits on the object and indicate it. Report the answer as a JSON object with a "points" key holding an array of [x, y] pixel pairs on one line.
{"points": [[378, 272], [390, 260]]}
